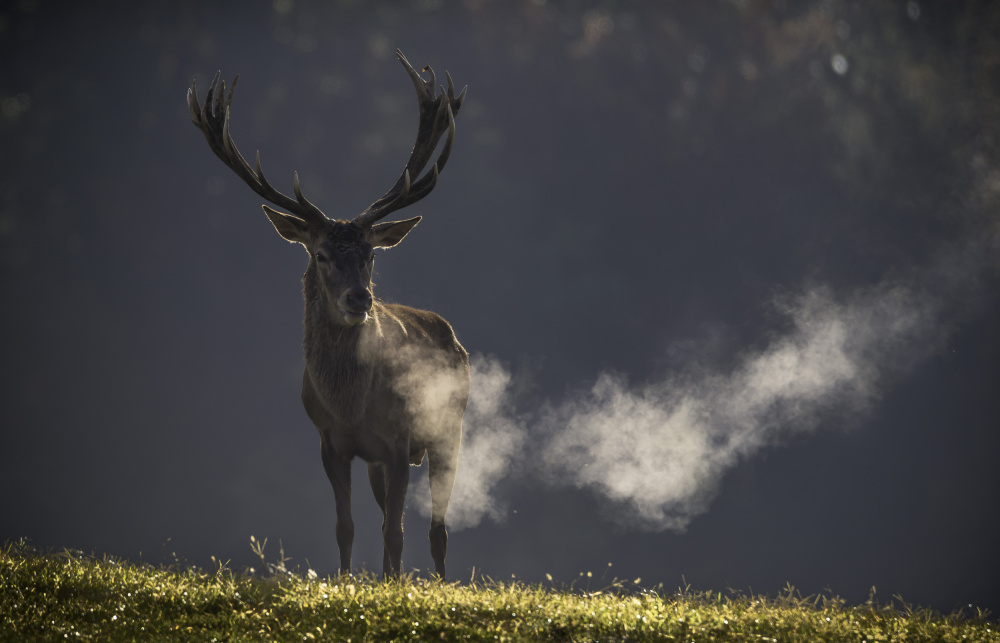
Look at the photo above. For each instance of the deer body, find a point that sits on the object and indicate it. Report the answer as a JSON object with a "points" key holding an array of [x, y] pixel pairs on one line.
{"points": [[382, 382], [366, 390]]}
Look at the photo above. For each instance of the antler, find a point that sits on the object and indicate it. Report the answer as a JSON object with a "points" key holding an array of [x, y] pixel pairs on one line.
{"points": [[437, 114], [212, 118]]}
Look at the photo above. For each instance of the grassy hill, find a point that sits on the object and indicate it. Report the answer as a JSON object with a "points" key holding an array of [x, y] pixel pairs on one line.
{"points": [[72, 597]]}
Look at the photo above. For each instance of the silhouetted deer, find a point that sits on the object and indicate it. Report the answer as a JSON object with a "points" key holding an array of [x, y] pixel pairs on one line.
{"points": [[383, 382]]}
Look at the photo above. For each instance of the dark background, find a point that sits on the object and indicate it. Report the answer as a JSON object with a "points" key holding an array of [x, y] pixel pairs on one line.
{"points": [[632, 184]]}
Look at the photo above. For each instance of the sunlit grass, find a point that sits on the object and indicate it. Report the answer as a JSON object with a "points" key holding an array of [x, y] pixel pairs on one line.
{"points": [[69, 596]]}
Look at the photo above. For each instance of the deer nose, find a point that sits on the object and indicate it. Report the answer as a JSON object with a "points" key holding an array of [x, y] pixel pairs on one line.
{"points": [[358, 300]]}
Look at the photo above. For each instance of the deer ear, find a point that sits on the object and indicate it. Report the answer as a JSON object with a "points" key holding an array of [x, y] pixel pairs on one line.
{"points": [[289, 227], [386, 235]]}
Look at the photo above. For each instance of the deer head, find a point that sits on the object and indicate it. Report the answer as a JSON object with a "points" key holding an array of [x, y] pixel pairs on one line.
{"points": [[341, 253]]}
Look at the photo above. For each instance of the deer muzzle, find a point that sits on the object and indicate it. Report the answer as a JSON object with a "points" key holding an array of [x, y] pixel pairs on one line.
{"points": [[355, 304]]}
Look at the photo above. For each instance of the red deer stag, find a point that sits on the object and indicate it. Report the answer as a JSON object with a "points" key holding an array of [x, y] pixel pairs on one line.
{"points": [[383, 382]]}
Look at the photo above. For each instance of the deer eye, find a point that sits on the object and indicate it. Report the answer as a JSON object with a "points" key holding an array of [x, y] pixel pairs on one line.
{"points": [[321, 258]]}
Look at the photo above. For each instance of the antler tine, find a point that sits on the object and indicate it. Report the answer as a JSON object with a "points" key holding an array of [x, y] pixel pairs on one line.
{"points": [[446, 152], [437, 115], [456, 102], [212, 118], [219, 93], [192, 99]]}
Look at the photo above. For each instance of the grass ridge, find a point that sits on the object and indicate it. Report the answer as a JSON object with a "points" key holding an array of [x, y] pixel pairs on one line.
{"points": [[72, 596]]}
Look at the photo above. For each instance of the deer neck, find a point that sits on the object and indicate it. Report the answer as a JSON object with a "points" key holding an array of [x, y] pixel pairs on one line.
{"points": [[339, 358]]}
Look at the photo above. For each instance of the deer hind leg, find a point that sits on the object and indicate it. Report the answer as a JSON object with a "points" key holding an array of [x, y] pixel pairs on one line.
{"points": [[397, 479], [442, 461], [338, 470]]}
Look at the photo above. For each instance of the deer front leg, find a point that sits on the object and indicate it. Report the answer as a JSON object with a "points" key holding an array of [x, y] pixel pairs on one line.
{"points": [[338, 470], [397, 479], [376, 477]]}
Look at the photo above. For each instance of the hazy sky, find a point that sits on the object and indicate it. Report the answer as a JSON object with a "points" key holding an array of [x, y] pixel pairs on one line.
{"points": [[728, 271]]}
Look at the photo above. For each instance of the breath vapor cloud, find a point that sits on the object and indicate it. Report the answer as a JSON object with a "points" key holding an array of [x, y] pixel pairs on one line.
{"points": [[660, 450]]}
